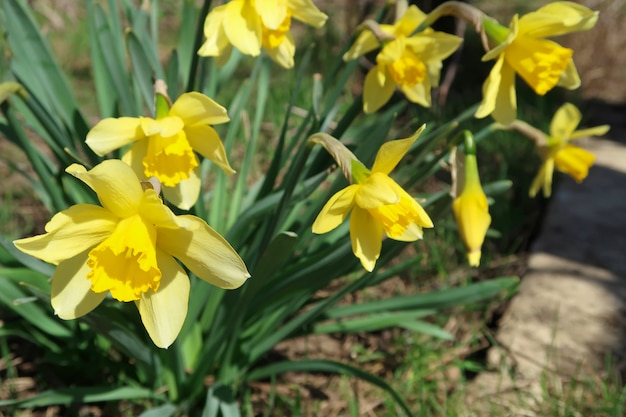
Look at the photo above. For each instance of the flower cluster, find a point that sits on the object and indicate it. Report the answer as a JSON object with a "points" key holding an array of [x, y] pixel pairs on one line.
{"points": [[129, 247]]}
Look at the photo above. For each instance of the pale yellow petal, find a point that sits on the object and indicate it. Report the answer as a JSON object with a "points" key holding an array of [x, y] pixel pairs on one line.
{"points": [[204, 140], [505, 110], [569, 78], [163, 312], [166, 127], [216, 40], [565, 121], [115, 183], [409, 21], [364, 43], [272, 12], [243, 28], [418, 93], [184, 194], [390, 153], [435, 46], [155, 212], [375, 94], [134, 156], [377, 191], [498, 50], [366, 235], [556, 19], [69, 233], [284, 53], [305, 11], [204, 251], [592, 131], [197, 109], [71, 294], [110, 134], [335, 210], [490, 90]]}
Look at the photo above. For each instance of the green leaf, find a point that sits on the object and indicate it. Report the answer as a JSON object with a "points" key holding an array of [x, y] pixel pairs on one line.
{"points": [[220, 398], [31, 312], [370, 323], [82, 395], [165, 410], [433, 300], [321, 365]]}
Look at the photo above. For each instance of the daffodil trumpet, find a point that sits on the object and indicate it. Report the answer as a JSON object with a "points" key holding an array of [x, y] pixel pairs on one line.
{"points": [[376, 204]]}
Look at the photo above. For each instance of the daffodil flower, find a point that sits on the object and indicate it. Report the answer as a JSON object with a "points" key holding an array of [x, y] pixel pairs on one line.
{"points": [[410, 63], [470, 207], [250, 25], [126, 248], [377, 205], [522, 49], [166, 147], [557, 151]]}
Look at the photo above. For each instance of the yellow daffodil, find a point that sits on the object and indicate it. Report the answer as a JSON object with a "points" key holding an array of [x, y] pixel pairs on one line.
{"points": [[410, 63], [164, 147], [376, 203], [470, 207], [522, 49], [126, 247], [557, 152], [250, 25]]}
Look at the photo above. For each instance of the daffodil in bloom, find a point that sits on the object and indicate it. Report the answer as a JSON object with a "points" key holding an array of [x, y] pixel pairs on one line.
{"points": [[410, 63], [470, 207], [127, 248], [521, 49], [558, 152], [166, 147], [252, 25], [377, 205]]}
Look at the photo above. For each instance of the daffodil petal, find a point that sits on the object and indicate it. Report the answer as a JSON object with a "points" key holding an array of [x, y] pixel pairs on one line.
{"points": [[364, 43], [490, 90], [71, 294], [377, 191], [163, 312], [69, 233], [166, 127], [115, 183], [418, 93], [242, 25], [204, 251], [110, 134], [134, 156], [197, 109], [556, 19], [335, 210], [435, 46], [366, 235], [216, 40], [390, 153], [205, 140], [376, 95], [305, 11], [272, 12], [283, 54], [412, 233], [184, 194], [505, 111], [409, 21], [565, 121], [569, 78], [155, 212], [592, 131]]}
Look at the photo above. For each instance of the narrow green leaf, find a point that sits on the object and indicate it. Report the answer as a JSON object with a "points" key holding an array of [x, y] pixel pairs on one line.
{"points": [[370, 323], [165, 410], [82, 395], [321, 365]]}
